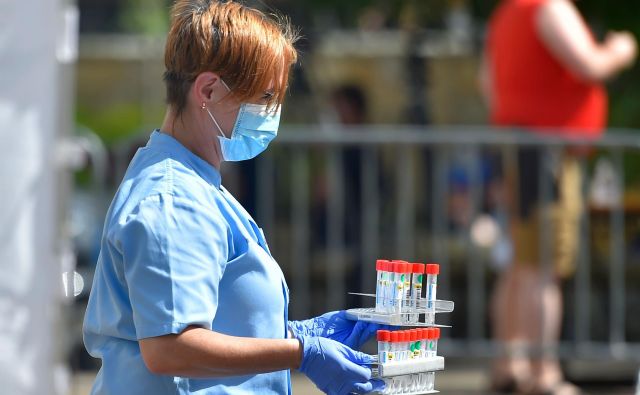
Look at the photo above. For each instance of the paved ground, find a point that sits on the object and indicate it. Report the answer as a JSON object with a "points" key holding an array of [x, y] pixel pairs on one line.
{"points": [[457, 380]]}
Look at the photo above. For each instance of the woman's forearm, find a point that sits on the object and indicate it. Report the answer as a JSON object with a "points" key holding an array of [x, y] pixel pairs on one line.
{"points": [[198, 352]]}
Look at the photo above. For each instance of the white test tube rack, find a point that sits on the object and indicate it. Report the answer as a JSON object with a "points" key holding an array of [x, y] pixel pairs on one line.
{"points": [[399, 304], [396, 369], [370, 314], [406, 368], [401, 368]]}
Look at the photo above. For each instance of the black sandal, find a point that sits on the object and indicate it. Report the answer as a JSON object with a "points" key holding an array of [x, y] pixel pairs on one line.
{"points": [[507, 386]]}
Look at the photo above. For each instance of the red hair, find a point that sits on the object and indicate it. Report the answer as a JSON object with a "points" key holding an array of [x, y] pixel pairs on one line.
{"points": [[252, 52]]}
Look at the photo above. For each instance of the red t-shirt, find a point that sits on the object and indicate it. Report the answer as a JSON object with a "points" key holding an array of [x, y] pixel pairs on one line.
{"points": [[530, 87]]}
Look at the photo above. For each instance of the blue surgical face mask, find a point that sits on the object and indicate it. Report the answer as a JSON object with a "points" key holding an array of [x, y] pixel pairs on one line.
{"points": [[256, 126]]}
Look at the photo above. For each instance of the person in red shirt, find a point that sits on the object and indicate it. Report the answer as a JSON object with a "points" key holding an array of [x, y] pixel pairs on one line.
{"points": [[543, 71]]}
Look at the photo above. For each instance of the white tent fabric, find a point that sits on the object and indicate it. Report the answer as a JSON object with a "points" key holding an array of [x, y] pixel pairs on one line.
{"points": [[30, 119]]}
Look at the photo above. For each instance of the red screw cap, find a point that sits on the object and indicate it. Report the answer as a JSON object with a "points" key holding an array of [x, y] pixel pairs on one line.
{"points": [[384, 336], [380, 264], [418, 268], [433, 268]]}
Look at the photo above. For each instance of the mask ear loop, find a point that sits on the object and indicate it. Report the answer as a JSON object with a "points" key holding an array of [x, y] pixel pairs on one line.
{"points": [[204, 107], [225, 84]]}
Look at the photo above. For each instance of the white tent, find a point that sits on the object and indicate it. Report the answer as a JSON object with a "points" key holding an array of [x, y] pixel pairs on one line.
{"points": [[37, 51]]}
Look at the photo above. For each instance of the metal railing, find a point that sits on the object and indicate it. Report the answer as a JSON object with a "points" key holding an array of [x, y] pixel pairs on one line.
{"points": [[401, 209]]}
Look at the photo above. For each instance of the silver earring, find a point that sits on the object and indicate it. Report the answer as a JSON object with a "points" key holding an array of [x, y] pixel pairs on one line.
{"points": [[204, 105]]}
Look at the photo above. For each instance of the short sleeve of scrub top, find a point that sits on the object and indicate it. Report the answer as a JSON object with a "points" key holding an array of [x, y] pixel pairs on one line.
{"points": [[178, 250], [174, 256]]}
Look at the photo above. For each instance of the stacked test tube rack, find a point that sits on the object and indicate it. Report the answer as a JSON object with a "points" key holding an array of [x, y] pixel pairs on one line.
{"points": [[407, 360]]}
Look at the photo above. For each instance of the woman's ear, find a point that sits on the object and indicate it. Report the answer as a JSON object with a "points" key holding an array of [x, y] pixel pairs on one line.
{"points": [[203, 90]]}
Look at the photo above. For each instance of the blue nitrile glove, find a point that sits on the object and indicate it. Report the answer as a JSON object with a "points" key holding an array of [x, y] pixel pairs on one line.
{"points": [[336, 326], [335, 368]]}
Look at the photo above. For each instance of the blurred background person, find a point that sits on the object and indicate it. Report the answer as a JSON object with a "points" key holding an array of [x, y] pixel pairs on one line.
{"points": [[543, 71]]}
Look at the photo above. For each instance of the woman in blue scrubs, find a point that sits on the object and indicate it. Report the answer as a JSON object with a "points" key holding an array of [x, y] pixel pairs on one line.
{"points": [[186, 297]]}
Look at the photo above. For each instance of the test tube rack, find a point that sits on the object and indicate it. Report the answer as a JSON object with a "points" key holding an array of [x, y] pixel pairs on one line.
{"points": [[401, 368], [396, 371], [370, 314]]}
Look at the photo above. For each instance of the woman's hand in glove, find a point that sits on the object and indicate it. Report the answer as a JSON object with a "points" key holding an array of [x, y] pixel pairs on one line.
{"points": [[336, 326], [335, 368]]}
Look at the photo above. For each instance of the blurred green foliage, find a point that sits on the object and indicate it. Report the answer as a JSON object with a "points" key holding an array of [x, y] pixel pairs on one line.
{"points": [[145, 16], [111, 123]]}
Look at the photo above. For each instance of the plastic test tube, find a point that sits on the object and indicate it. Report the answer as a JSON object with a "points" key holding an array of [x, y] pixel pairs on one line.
{"points": [[432, 270], [414, 343], [378, 283], [407, 343], [393, 356], [383, 345], [426, 353], [384, 350], [400, 380], [433, 351], [422, 377], [399, 269], [415, 355], [390, 289], [406, 379], [406, 288], [418, 270], [381, 274], [418, 376], [387, 284], [423, 343]]}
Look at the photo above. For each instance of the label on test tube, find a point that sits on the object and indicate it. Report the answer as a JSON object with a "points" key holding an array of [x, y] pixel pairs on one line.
{"points": [[407, 337], [387, 299], [381, 293], [432, 270], [411, 343], [399, 269], [416, 290], [392, 355], [402, 337], [417, 343], [423, 343], [406, 297], [381, 274], [388, 287]]}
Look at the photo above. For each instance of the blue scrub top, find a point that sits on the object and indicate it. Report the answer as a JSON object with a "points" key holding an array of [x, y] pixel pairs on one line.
{"points": [[178, 250]]}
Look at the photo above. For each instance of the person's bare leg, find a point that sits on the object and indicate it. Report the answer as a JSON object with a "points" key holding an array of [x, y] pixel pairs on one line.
{"points": [[502, 376], [510, 319], [546, 366]]}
